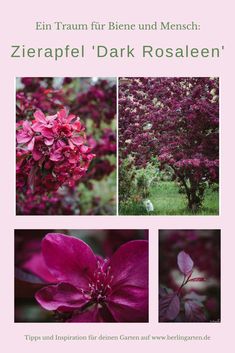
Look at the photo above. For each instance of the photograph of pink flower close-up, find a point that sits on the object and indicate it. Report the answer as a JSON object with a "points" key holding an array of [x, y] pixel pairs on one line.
{"points": [[189, 276], [81, 276], [65, 146]]}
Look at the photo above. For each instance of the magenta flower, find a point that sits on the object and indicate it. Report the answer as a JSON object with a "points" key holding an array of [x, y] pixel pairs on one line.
{"points": [[69, 126], [43, 123], [26, 135], [90, 289], [57, 153]]}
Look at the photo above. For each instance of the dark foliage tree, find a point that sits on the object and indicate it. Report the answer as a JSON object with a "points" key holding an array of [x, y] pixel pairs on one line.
{"points": [[177, 120]]}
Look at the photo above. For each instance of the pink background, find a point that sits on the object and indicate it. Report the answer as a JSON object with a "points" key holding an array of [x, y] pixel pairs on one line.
{"points": [[17, 27]]}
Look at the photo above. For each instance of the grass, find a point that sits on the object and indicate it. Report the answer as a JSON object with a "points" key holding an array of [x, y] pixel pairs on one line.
{"points": [[167, 201]]}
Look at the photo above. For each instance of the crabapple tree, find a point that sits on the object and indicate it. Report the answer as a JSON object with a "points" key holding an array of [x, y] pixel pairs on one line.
{"points": [[177, 121]]}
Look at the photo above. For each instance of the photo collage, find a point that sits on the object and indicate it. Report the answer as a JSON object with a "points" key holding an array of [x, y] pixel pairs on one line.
{"points": [[136, 148]]}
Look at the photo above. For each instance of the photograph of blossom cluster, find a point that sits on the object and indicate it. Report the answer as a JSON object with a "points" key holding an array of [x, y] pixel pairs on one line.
{"points": [[81, 275], [169, 146], [65, 146], [189, 275]]}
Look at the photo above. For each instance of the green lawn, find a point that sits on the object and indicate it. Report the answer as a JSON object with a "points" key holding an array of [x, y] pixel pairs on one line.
{"points": [[167, 201]]}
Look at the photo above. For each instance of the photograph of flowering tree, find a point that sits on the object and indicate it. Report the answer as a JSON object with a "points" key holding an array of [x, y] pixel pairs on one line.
{"points": [[189, 275], [81, 276], [65, 146], [169, 146]]}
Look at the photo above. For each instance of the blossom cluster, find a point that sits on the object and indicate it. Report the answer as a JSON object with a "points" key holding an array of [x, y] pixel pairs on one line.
{"points": [[51, 151], [63, 180]]}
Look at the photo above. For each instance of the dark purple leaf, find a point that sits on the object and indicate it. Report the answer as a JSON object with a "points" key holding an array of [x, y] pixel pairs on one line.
{"points": [[169, 307], [194, 311], [162, 292], [185, 263]]}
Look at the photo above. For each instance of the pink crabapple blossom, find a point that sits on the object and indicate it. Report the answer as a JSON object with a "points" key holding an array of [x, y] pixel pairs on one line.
{"points": [[87, 288], [51, 151]]}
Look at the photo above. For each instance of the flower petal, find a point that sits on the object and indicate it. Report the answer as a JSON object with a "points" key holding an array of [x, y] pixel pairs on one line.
{"points": [[23, 136], [93, 314], [129, 304], [36, 154], [78, 141], [70, 117], [37, 127], [47, 132], [39, 116], [51, 118], [27, 126], [62, 296], [62, 115], [56, 155], [69, 259], [129, 264], [37, 266], [31, 144], [48, 142]]}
